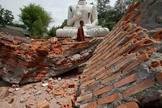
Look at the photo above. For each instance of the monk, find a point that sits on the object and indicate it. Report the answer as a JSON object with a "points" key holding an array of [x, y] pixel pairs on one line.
{"points": [[80, 34]]}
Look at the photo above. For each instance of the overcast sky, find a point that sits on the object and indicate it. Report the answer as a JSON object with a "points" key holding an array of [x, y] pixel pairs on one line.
{"points": [[58, 8]]}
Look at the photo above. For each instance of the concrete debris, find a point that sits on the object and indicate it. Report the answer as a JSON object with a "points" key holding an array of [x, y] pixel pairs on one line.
{"points": [[23, 99], [38, 92], [45, 84]]}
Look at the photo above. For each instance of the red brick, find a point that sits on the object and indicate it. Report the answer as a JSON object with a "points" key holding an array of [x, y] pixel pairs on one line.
{"points": [[125, 61], [141, 59], [89, 105], [102, 90], [85, 78], [98, 71], [98, 54], [91, 71], [11, 60], [126, 80], [158, 35], [84, 97], [88, 82], [103, 74], [114, 61], [138, 87], [122, 49], [114, 76], [44, 104], [92, 86], [159, 77], [21, 66], [111, 53], [23, 62], [66, 105], [97, 64], [108, 99], [129, 105], [120, 38]]}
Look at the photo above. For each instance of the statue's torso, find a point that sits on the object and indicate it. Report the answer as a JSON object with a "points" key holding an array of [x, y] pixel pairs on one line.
{"points": [[86, 11]]}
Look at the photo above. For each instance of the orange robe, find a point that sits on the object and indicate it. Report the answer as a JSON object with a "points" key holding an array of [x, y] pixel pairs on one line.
{"points": [[80, 34]]}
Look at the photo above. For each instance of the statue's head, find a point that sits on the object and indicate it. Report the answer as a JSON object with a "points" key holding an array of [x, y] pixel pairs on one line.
{"points": [[82, 0]]}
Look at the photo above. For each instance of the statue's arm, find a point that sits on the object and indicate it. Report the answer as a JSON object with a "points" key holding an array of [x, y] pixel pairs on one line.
{"points": [[72, 18], [94, 16]]}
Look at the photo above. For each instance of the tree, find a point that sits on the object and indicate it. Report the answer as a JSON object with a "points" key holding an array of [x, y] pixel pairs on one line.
{"points": [[6, 16], [122, 5], [102, 8], [64, 23], [36, 19], [52, 31]]}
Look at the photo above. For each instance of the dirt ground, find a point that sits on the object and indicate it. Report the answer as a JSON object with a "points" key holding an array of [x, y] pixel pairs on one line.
{"points": [[52, 93]]}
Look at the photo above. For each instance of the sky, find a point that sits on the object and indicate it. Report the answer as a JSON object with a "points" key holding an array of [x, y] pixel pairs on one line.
{"points": [[57, 8]]}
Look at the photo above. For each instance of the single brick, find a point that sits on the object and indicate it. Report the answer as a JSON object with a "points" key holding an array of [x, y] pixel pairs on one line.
{"points": [[125, 61], [90, 72], [108, 99], [102, 90], [126, 80], [159, 77], [122, 49], [98, 71], [92, 86], [88, 82], [97, 64], [141, 59], [84, 97], [114, 61], [111, 53], [103, 74], [158, 35], [66, 105], [44, 104], [86, 77], [89, 105], [138, 87], [23, 62], [129, 105], [114, 76]]}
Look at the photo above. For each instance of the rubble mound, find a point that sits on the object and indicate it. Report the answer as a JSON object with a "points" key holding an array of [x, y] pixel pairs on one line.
{"points": [[24, 60], [126, 68]]}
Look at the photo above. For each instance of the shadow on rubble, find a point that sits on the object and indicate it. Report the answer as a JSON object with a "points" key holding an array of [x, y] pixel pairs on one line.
{"points": [[4, 83], [151, 101]]}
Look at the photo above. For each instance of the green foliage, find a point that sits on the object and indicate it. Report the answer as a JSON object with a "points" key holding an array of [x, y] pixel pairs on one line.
{"points": [[122, 5], [107, 15], [64, 23], [36, 19], [102, 8], [6, 16], [52, 31]]}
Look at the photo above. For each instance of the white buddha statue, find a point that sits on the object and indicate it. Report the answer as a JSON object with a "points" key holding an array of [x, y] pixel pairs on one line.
{"points": [[88, 14]]}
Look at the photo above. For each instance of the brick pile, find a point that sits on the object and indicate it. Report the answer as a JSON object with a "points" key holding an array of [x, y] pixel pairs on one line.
{"points": [[126, 68], [24, 60]]}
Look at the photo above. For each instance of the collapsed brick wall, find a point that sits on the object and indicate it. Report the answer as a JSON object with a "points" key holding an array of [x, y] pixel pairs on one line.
{"points": [[24, 60], [126, 67]]}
